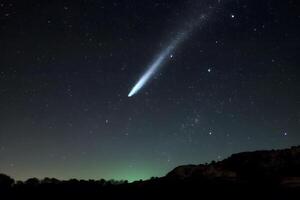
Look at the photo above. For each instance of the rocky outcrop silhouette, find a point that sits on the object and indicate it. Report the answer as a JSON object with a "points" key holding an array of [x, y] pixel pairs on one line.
{"points": [[273, 166]]}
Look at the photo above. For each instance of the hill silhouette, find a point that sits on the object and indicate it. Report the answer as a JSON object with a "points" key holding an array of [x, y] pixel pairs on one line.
{"points": [[273, 174], [274, 166]]}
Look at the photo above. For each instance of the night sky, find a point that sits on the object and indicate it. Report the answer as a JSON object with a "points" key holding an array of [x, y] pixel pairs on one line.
{"points": [[66, 69]]}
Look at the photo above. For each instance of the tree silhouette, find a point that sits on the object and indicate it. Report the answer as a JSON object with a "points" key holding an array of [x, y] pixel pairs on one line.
{"points": [[6, 182], [32, 182]]}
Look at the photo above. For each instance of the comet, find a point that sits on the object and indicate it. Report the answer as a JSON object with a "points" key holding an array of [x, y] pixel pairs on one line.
{"points": [[179, 38], [151, 70]]}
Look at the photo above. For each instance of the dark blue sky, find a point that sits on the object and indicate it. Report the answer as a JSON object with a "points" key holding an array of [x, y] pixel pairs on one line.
{"points": [[67, 67]]}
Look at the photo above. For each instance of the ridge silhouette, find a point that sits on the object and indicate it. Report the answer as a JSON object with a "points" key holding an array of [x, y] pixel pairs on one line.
{"points": [[273, 174]]}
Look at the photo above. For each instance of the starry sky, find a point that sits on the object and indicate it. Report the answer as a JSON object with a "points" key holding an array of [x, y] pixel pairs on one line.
{"points": [[66, 68]]}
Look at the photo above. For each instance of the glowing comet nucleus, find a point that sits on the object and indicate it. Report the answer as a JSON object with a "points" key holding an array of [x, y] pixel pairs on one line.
{"points": [[167, 52]]}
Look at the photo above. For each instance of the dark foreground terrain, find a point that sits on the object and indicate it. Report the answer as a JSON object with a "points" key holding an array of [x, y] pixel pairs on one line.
{"points": [[271, 174]]}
